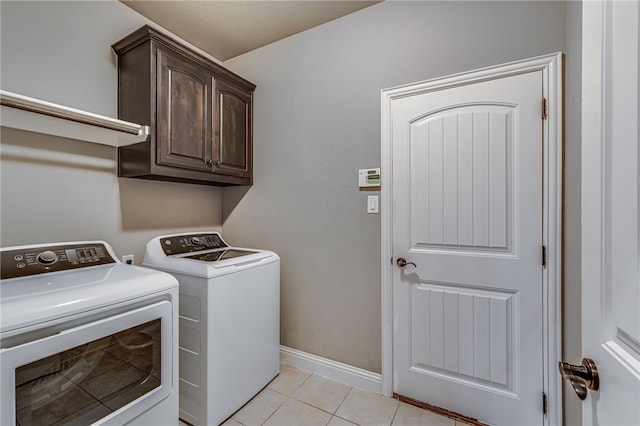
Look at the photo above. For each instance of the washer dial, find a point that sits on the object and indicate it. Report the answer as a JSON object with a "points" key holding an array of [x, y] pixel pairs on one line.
{"points": [[47, 257]]}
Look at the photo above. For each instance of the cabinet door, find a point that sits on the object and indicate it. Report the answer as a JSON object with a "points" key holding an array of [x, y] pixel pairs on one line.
{"points": [[184, 113], [233, 153]]}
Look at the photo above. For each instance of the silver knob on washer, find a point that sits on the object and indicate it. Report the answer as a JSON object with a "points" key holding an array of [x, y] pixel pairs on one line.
{"points": [[47, 257]]}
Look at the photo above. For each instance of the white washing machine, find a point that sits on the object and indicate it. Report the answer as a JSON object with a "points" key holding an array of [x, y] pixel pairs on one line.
{"points": [[85, 339], [229, 321]]}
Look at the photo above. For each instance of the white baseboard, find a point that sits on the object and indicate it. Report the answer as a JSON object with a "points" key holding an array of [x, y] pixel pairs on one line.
{"points": [[347, 374]]}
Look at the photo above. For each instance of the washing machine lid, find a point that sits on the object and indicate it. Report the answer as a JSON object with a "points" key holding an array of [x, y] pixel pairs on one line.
{"points": [[220, 255], [38, 287], [202, 254]]}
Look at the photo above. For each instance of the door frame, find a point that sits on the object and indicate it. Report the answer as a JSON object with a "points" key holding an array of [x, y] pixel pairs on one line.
{"points": [[551, 66]]}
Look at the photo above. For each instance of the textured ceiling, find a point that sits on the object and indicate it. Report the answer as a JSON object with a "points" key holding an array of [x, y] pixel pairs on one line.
{"points": [[226, 29]]}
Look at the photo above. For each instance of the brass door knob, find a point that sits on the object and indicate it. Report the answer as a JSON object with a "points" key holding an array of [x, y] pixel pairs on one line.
{"points": [[582, 377]]}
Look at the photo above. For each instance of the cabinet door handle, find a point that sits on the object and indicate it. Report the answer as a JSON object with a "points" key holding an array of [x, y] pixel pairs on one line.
{"points": [[209, 162]]}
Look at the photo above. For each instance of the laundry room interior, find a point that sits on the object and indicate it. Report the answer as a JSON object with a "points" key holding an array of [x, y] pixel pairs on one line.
{"points": [[316, 121]]}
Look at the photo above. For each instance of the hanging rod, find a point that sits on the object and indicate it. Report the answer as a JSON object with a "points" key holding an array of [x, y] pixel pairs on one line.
{"points": [[25, 113]]}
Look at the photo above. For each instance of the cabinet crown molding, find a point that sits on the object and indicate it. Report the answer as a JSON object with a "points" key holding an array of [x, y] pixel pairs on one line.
{"points": [[146, 32]]}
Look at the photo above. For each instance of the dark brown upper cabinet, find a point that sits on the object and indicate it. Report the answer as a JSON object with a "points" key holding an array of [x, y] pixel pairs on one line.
{"points": [[200, 113]]}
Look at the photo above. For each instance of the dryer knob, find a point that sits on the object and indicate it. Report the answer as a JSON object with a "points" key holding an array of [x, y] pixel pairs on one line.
{"points": [[195, 240], [47, 257]]}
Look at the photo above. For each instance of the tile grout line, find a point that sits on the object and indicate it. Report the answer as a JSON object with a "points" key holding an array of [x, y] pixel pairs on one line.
{"points": [[318, 408], [283, 402], [325, 411], [395, 414], [288, 397], [332, 414], [342, 402]]}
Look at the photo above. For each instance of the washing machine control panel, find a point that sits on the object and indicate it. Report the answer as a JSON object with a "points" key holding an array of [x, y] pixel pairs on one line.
{"points": [[27, 261], [181, 244]]}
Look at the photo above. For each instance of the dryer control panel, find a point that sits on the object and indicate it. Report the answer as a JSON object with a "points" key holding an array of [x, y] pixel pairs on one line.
{"points": [[181, 244], [40, 259]]}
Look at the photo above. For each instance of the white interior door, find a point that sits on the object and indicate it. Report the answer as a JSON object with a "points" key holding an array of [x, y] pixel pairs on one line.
{"points": [[610, 204], [467, 210]]}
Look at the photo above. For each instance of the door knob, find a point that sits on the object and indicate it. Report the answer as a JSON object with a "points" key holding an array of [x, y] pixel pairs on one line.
{"points": [[402, 262], [582, 377]]}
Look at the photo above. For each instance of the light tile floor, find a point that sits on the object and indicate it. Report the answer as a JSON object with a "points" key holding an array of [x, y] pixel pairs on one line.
{"points": [[299, 398]]}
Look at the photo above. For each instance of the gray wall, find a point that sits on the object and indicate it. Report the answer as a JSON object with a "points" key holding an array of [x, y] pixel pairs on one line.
{"points": [[317, 121], [61, 52], [572, 291]]}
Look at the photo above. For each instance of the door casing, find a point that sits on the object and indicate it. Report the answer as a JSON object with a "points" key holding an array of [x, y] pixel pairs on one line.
{"points": [[552, 163]]}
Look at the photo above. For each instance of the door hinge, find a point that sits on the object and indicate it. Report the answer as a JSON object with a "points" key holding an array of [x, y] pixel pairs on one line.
{"points": [[544, 403], [544, 256], [545, 111]]}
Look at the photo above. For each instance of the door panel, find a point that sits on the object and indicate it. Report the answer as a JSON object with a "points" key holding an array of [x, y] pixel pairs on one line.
{"points": [[467, 197], [610, 210], [470, 335], [463, 158]]}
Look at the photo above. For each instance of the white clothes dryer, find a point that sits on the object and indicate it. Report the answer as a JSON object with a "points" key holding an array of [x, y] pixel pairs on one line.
{"points": [[229, 321], [85, 339]]}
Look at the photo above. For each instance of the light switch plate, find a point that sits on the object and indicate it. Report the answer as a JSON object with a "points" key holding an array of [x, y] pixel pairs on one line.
{"points": [[372, 204]]}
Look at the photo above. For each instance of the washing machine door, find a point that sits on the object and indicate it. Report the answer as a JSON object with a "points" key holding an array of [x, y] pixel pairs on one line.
{"points": [[107, 371]]}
